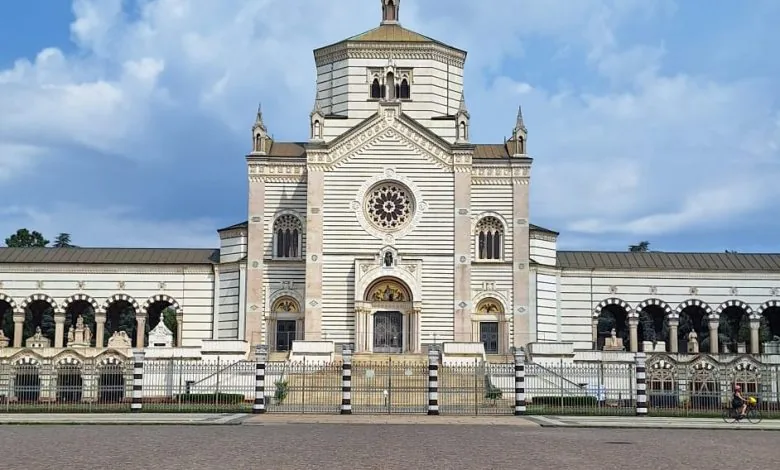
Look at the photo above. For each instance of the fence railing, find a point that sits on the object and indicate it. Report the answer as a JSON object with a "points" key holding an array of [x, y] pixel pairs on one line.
{"points": [[387, 386]]}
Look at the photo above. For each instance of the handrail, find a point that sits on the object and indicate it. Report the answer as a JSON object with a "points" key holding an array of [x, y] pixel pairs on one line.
{"points": [[546, 369], [219, 371]]}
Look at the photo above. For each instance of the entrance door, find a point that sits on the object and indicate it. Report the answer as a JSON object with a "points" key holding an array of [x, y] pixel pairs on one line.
{"points": [[488, 335], [388, 332], [285, 334]]}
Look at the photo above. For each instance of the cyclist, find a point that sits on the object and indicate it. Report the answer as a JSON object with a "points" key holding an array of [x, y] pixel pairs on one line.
{"points": [[738, 401]]}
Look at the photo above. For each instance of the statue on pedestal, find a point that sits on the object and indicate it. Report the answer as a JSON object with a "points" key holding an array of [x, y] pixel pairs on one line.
{"points": [[613, 343], [4, 340], [693, 342], [120, 340], [79, 336], [37, 340]]}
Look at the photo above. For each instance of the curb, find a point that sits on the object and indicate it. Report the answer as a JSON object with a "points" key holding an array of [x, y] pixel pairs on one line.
{"points": [[687, 427]]}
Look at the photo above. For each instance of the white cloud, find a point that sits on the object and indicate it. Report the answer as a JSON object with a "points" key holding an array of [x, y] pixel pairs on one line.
{"points": [[623, 145]]}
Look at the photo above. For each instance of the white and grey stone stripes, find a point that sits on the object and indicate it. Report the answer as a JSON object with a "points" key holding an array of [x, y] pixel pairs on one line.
{"points": [[79, 298], [36, 297], [694, 303], [433, 382], [767, 305], [122, 298], [519, 382], [9, 301], [734, 303], [346, 381], [641, 384], [654, 302], [261, 358], [138, 381], [611, 301], [163, 298]]}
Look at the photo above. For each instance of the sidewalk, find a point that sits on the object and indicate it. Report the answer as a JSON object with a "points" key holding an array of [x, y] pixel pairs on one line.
{"points": [[276, 419], [635, 422], [123, 418]]}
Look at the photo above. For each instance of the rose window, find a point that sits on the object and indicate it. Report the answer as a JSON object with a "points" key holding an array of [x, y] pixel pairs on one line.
{"points": [[389, 206]]}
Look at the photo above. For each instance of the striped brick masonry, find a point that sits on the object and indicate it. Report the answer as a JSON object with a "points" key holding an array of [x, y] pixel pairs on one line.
{"points": [[519, 382], [641, 384], [433, 382], [138, 381], [261, 357], [346, 381]]}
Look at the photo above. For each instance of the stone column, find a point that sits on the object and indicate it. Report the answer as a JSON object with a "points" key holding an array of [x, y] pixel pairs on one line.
{"points": [[253, 288], [674, 322], [633, 333], [179, 328], [315, 189], [215, 302], [18, 329], [714, 324], [462, 244], [100, 329], [521, 171], [755, 346], [594, 332], [59, 329], [415, 329], [140, 331]]}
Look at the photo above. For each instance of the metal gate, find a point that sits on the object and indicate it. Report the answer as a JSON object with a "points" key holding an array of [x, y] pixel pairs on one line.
{"points": [[488, 335], [388, 332]]}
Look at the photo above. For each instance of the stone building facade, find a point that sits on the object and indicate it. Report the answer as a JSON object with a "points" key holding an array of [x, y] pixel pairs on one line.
{"points": [[389, 229]]}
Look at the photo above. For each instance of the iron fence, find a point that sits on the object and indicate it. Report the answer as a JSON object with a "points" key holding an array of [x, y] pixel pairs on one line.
{"points": [[477, 388], [581, 388], [705, 390], [389, 387], [303, 387]]}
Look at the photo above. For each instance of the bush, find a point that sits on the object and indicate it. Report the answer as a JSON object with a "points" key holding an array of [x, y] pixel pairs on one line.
{"points": [[225, 398], [282, 387]]}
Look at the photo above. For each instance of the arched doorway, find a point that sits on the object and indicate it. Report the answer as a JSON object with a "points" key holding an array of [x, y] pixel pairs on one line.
{"points": [[653, 322], [165, 308], [769, 314], [286, 322], [27, 381], [391, 317], [694, 318], [111, 381], [7, 306], [121, 312], [609, 314], [39, 313], [490, 322], [70, 384], [84, 308], [733, 326]]}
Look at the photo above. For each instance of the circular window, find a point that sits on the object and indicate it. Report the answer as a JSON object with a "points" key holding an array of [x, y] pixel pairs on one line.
{"points": [[389, 206]]}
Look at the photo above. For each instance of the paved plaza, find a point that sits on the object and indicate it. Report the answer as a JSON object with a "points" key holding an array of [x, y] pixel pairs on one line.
{"points": [[292, 446]]}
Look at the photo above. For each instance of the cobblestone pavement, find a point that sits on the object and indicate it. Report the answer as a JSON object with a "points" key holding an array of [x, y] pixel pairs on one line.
{"points": [[298, 446]]}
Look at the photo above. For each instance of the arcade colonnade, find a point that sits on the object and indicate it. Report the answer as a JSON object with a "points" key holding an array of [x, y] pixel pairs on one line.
{"points": [[67, 305], [769, 309]]}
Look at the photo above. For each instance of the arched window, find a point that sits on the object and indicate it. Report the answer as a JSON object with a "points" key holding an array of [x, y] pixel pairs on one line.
{"points": [[391, 89], [376, 89], [404, 91], [490, 239], [287, 236]]}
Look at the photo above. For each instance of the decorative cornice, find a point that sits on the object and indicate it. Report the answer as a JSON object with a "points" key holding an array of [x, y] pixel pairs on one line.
{"points": [[462, 160], [279, 172], [236, 232], [105, 269], [381, 50], [500, 174], [536, 235]]}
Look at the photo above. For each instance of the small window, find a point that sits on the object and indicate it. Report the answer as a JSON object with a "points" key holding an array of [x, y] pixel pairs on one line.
{"points": [[403, 90], [490, 239], [287, 234], [376, 89]]}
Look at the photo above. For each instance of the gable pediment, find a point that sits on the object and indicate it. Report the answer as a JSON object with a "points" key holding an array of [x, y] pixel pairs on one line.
{"points": [[387, 124]]}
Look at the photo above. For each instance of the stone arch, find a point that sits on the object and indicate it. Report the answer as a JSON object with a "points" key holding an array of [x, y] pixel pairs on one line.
{"points": [[78, 298], [110, 360], [490, 305], [121, 298], [769, 314], [398, 274], [27, 360], [285, 304], [26, 378], [9, 300], [657, 302], [734, 303], [36, 297], [759, 311], [693, 303], [489, 234], [388, 289], [68, 360], [174, 304], [611, 301], [656, 313]]}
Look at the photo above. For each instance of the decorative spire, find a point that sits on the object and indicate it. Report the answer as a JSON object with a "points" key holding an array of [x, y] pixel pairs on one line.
{"points": [[520, 124], [259, 124], [462, 106], [390, 11]]}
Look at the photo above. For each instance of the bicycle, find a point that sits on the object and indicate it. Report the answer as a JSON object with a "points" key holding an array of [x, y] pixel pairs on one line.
{"points": [[753, 415]]}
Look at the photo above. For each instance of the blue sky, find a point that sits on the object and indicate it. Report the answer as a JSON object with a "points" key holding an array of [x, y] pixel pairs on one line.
{"points": [[126, 122]]}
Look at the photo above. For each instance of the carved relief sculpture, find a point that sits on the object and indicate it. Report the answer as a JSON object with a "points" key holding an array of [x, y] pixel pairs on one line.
{"points": [[119, 340], [4, 340]]}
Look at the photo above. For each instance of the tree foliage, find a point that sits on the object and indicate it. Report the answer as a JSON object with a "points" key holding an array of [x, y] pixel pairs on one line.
{"points": [[63, 241], [640, 247], [24, 238]]}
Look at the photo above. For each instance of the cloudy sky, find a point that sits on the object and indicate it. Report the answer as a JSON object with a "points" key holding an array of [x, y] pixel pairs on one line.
{"points": [[126, 122]]}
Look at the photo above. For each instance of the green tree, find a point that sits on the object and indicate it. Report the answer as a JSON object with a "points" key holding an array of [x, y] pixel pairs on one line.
{"points": [[8, 322], [169, 317], [640, 247], [124, 321], [24, 238], [63, 241]]}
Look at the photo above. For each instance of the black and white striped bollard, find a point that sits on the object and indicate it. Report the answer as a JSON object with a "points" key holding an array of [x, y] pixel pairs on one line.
{"points": [[138, 381], [519, 382], [433, 382], [641, 384], [346, 380], [261, 357]]}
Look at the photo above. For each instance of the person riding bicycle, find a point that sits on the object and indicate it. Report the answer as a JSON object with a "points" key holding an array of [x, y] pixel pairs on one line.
{"points": [[738, 401]]}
